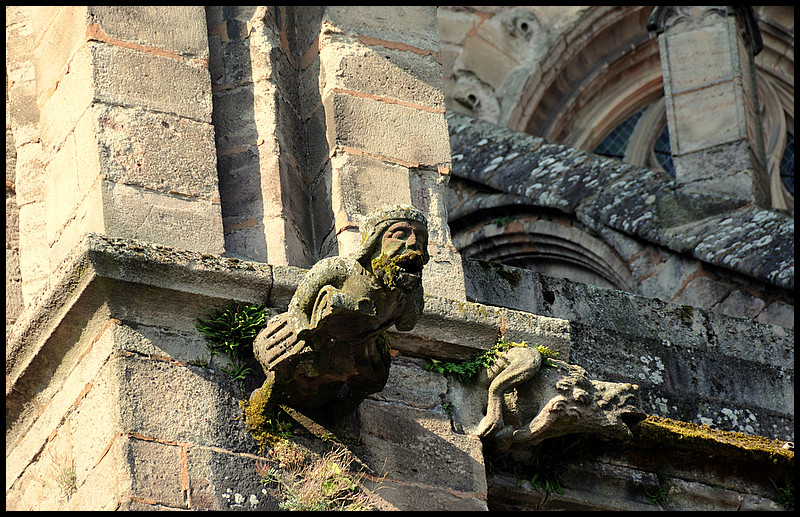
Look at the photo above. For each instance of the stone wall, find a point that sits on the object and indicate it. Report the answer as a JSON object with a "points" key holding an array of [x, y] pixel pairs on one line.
{"points": [[162, 174], [102, 379]]}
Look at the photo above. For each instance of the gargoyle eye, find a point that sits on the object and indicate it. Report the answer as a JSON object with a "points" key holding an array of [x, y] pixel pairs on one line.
{"points": [[583, 398]]}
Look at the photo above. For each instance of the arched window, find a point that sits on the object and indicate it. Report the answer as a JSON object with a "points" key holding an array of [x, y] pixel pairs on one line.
{"points": [[642, 139]]}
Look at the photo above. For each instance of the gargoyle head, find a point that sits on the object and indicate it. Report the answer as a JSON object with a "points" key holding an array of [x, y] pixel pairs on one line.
{"points": [[573, 403], [395, 246]]}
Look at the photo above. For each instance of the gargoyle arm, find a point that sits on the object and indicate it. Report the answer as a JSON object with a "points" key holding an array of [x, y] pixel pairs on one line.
{"points": [[331, 271]]}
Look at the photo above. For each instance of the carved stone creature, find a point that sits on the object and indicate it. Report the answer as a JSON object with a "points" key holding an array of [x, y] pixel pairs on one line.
{"points": [[330, 350], [529, 402]]}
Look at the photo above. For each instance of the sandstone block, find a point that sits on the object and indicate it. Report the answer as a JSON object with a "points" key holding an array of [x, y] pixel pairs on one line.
{"points": [[158, 151], [361, 184], [178, 221], [218, 480], [64, 235], [62, 109], [156, 472], [161, 83], [412, 497], [375, 70], [59, 34], [180, 403], [699, 58], [155, 26], [390, 131], [418, 447], [741, 305], [247, 242], [702, 292], [413, 25], [317, 145], [706, 118], [241, 176], [62, 195], [234, 118], [93, 426], [30, 177], [108, 484]]}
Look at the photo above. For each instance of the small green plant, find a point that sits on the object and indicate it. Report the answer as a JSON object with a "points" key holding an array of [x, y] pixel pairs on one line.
{"points": [[659, 495], [231, 331], [544, 469], [465, 371], [502, 221], [67, 481], [785, 492], [288, 455], [64, 475]]}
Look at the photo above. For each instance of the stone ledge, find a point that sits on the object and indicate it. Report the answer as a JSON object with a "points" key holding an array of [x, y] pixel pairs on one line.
{"points": [[677, 354], [666, 465]]}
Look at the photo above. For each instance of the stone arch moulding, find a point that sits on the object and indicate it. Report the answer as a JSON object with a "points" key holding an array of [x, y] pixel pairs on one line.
{"points": [[546, 243], [604, 46]]}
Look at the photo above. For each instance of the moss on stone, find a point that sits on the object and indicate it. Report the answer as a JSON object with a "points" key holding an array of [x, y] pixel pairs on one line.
{"points": [[260, 416], [389, 268], [686, 314], [701, 438]]}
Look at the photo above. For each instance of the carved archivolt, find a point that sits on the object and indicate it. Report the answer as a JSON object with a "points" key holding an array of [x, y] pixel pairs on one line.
{"points": [[549, 245]]}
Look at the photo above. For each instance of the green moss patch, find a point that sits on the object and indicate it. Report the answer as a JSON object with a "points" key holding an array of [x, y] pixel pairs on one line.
{"points": [[701, 438]]}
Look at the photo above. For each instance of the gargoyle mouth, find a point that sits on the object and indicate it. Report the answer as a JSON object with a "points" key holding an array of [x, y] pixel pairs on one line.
{"points": [[410, 262], [632, 419]]}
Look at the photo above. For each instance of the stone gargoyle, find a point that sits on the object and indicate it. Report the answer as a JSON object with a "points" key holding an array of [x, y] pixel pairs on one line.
{"points": [[530, 401], [329, 351]]}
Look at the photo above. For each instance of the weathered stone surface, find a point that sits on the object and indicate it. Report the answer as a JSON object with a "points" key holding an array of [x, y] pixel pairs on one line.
{"points": [[605, 193], [161, 309], [153, 26], [418, 447], [221, 480], [330, 350], [410, 25]]}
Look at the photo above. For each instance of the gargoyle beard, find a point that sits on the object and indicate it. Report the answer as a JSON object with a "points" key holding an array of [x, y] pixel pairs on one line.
{"points": [[402, 272]]}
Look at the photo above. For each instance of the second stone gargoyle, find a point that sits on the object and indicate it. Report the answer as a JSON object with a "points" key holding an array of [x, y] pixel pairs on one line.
{"points": [[330, 350], [529, 401]]}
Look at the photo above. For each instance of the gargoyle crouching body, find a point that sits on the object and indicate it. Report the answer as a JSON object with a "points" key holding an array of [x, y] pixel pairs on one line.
{"points": [[329, 351], [530, 401]]}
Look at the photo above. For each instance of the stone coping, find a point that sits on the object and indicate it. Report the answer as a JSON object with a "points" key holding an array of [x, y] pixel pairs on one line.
{"points": [[598, 191]]}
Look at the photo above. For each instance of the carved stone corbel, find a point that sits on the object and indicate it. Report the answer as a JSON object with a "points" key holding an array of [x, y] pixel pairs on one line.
{"points": [[530, 400], [329, 351]]}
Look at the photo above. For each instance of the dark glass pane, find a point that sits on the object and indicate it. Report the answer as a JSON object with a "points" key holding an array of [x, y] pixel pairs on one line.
{"points": [[614, 144], [664, 152], [787, 164]]}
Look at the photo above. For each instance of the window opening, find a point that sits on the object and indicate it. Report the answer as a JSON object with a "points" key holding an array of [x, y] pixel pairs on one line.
{"points": [[787, 164], [613, 145], [663, 151]]}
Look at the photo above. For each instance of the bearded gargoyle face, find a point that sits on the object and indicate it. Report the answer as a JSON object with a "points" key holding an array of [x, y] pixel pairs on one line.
{"points": [[403, 254]]}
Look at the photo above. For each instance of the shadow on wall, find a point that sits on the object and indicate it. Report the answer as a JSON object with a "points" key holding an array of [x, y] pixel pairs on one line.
{"points": [[261, 115]]}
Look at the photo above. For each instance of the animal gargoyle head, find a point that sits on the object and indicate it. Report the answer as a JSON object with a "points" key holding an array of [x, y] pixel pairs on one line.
{"points": [[570, 402]]}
